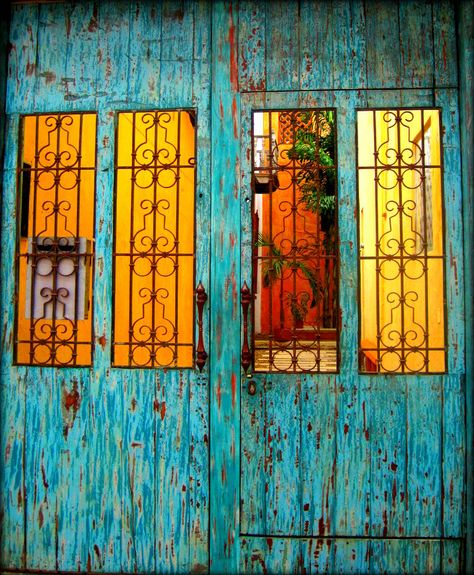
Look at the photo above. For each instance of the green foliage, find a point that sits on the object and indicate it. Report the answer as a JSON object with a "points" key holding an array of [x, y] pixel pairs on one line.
{"points": [[317, 178], [273, 268]]}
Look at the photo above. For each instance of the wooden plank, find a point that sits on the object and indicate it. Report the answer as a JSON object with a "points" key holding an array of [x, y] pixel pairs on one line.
{"points": [[317, 556], [318, 454], [416, 43], [283, 455], [444, 44], [252, 73], [79, 83], [383, 55], [225, 284], [105, 417], [281, 40], [351, 512], [454, 453], [72, 503], [138, 470], [252, 409], [12, 383], [352, 483], [22, 55], [176, 64], [43, 433], [172, 471], [317, 30], [145, 53], [12, 475], [346, 103], [404, 556], [388, 462], [424, 464], [198, 489], [349, 45], [453, 233], [351, 556], [253, 461], [51, 62], [270, 556], [112, 72], [451, 557], [466, 66]]}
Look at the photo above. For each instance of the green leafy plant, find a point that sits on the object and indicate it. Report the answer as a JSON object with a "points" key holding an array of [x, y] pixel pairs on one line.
{"points": [[277, 262], [314, 149], [298, 305]]}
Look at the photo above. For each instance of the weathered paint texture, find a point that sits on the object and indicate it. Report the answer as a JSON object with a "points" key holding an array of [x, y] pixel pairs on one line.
{"points": [[119, 470]]}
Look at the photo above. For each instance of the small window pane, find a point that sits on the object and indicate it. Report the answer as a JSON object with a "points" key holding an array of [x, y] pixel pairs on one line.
{"points": [[154, 239], [56, 240], [295, 238], [402, 308]]}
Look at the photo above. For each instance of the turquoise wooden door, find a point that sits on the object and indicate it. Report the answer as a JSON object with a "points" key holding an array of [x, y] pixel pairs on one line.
{"points": [[343, 471], [106, 461]]}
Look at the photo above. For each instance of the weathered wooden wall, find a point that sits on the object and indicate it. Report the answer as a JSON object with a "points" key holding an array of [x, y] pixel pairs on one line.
{"points": [[131, 470]]}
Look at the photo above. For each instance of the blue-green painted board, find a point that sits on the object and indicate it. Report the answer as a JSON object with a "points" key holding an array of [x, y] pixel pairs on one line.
{"points": [[349, 44], [251, 45], [144, 53], [317, 33], [383, 44], [224, 292], [22, 63], [466, 85], [79, 83], [416, 43], [388, 465]]}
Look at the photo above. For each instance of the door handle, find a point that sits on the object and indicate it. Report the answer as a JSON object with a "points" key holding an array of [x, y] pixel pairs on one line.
{"points": [[201, 355], [245, 299]]}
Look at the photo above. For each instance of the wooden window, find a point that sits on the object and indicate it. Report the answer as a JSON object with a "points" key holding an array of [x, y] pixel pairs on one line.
{"points": [[402, 308], [154, 239], [295, 237], [55, 242]]}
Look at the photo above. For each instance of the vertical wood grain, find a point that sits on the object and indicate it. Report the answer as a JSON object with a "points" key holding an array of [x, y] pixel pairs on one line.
{"points": [[317, 31], [349, 45], [465, 20], [42, 430], [383, 45], [252, 63], [444, 44], [72, 501], [13, 384], [79, 81], [22, 54], [177, 29], [282, 45], [416, 43], [318, 454], [145, 54], [225, 289]]}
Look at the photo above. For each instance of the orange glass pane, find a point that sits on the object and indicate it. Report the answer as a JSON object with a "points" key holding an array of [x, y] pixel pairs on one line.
{"points": [[154, 240]]}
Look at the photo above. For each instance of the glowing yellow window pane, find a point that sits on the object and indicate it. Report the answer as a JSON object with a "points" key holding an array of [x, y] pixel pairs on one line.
{"points": [[154, 239], [56, 239], [402, 310]]}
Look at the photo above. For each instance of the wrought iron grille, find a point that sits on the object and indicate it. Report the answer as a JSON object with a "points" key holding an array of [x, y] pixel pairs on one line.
{"points": [[295, 237], [401, 266], [154, 239], [56, 181]]}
